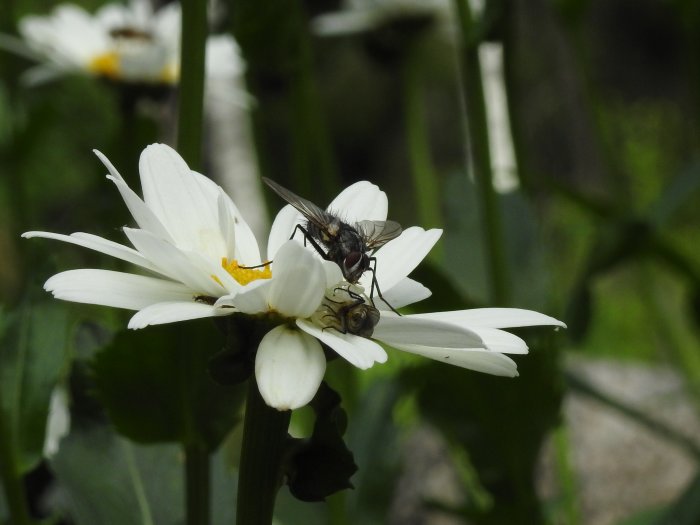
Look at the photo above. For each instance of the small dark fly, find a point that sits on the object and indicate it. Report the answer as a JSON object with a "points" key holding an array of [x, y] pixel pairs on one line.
{"points": [[347, 245], [347, 312]]}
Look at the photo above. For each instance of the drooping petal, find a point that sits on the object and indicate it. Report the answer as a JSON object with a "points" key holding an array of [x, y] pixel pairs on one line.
{"points": [[472, 358], [358, 351], [289, 368], [360, 201], [298, 281], [399, 257], [117, 289], [407, 329], [282, 229], [99, 244], [494, 318], [174, 311]]}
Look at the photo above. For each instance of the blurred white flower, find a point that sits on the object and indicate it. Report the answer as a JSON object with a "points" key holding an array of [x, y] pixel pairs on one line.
{"points": [[122, 42], [363, 15], [58, 422], [191, 239]]}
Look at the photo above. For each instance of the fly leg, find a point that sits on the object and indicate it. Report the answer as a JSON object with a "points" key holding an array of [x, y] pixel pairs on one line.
{"points": [[375, 286], [308, 237]]}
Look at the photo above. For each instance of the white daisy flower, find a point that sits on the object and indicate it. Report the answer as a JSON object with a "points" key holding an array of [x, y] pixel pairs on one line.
{"points": [[363, 15], [468, 338], [191, 240], [122, 42]]}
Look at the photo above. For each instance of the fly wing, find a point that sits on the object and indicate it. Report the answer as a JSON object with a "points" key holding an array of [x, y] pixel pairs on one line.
{"points": [[307, 208], [378, 233]]}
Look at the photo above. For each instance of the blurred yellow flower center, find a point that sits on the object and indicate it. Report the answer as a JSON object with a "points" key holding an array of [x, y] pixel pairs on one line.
{"points": [[106, 64], [109, 65], [244, 275]]}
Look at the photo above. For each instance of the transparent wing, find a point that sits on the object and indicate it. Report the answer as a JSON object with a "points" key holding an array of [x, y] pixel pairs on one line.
{"points": [[378, 233], [307, 208]]}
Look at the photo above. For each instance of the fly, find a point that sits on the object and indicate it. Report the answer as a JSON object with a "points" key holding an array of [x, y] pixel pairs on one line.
{"points": [[347, 245], [348, 315]]}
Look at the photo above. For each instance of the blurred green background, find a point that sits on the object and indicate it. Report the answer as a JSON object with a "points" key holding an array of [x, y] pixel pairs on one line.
{"points": [[595, 222]]}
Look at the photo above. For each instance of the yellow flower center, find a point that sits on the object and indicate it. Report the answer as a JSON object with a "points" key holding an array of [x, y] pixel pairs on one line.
{"points": [[109, 65], [244, 275], [106, 64]]}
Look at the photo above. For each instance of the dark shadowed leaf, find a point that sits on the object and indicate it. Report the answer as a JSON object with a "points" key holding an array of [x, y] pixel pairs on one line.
{"points": [[155, 385]]}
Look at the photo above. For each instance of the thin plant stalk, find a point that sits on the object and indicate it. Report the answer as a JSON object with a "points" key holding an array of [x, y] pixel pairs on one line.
{"points": [[13, 488], [492, 229], [262, 451], [191, 94], [189, 144], [425, 180]]}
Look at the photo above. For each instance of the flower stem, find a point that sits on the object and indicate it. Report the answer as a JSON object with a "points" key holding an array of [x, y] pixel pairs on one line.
{"points": [[10, 479], [425, 181], [481, 157], [189, 144], [264, 434], [197, 484], [191, 96]]}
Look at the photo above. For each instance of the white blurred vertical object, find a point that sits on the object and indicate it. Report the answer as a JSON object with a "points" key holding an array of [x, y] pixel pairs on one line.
{"points": [[58, 421], [233, 160], [503, 164]]}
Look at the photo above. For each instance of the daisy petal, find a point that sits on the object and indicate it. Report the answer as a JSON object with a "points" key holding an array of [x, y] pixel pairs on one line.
{"points": [[358, 351], [500, 341], [117, 289], [298, 281], [399, 257], [405, 292], [173, 311], [93, 242], [289, 368], [250, 300], [172, 262], [184, 201], [476, 359], [494, 318], [360, 201], [407, 329], [282, 229]]}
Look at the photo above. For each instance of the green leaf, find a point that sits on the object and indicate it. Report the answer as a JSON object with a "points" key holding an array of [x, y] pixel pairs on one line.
{"points": [[155, 385], [33, 357]]}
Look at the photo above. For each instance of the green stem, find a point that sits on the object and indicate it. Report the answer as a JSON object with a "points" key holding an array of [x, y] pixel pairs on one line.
{"points": [[11, 480], [262, 450], [189, 144], [312, 152], [197, 484], [481, 158], [424, 177], [191, 95], [566, 475]]}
